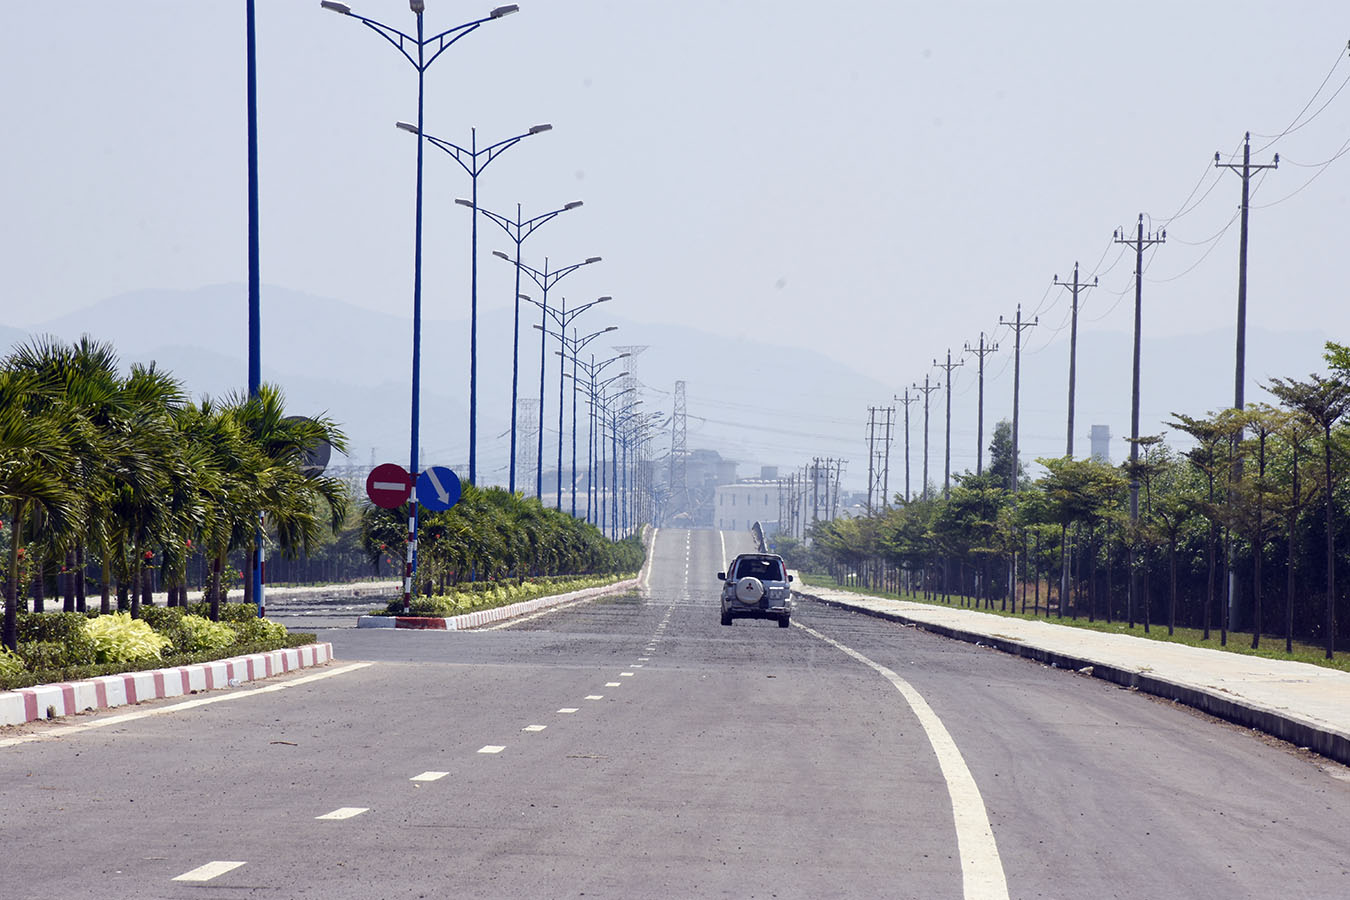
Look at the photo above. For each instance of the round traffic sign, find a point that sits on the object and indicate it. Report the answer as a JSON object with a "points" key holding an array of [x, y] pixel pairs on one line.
{"points": [[438, 488], [388, 485]]}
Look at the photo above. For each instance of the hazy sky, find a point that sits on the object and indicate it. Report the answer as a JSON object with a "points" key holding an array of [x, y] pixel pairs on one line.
{"points": [[877, 180]]}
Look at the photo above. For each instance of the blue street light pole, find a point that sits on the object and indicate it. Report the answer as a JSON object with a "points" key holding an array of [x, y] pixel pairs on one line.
{"points": [[599, 404], [563, 317], [576, 344], [254, 274], [518, 229], [592, 372], [421, 62], [474, 161], [545, 279]]}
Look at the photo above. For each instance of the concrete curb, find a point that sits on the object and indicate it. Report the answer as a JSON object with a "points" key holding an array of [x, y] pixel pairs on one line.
{"points": [[46, 701], [1319, 737], [488, 616]]}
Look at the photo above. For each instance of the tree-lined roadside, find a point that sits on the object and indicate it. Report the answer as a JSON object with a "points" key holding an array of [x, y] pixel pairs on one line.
{"points": [[1241, 532]]}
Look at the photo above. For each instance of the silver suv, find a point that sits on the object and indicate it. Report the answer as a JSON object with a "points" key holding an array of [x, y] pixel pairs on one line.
{"points": [[756, 586]]}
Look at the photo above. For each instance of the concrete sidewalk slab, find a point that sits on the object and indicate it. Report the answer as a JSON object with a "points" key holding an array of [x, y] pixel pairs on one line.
{"points": [[1307, 705]]}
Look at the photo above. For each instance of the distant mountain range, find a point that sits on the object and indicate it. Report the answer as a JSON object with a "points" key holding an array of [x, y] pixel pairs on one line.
{"points": [[752, 401]]}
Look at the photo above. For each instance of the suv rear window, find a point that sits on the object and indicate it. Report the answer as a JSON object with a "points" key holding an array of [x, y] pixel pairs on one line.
{"points": [[763, 569]]}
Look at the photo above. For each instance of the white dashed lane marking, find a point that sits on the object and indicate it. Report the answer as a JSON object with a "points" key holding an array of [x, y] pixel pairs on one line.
{"points": [[595, 696], [533, 728], [612, 683], [210, 870], [429, 776], [491, 748], [345, 812], [568, 709]]}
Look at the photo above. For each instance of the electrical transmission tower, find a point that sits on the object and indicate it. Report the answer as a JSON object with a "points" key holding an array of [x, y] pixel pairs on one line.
{"points": [[528, 431], [679, 476]]}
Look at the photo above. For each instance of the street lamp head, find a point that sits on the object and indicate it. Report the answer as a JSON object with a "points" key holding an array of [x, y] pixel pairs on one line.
{"points": [[342, 8], [503, 11], [522, 296], [603, 299], [537, 129], [502, 255], [407, 126], [592, 259], [462, 202], [623, 356], [610, 328], [573, 205], [417, 6]]}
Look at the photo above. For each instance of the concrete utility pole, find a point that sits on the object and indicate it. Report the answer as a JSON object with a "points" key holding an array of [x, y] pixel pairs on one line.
{"points": [[907, 400], [1017, 326], [1139, 243], [886, 458], [1245, 170], [871, 455], [838, 479], [981, 352], [947, 459], [1240, 372], [926, 389], [1075, 287]]}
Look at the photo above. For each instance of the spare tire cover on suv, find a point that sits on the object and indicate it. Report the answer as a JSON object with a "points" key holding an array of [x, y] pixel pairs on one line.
{"points": [[749, 590]]}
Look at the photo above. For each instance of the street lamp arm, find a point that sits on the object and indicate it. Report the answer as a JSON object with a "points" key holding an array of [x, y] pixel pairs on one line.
{"points": [[406, 42]]}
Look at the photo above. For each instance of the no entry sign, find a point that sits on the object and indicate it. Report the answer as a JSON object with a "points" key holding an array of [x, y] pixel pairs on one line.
{"points": [[388, 485]]}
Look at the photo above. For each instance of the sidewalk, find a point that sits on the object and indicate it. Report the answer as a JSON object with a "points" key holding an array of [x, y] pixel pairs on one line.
{"points": [[1307, 705]]}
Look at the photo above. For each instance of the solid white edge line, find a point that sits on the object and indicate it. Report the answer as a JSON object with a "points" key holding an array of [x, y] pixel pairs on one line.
{"points": [[211, 870], [66, 730], [982, 873]]}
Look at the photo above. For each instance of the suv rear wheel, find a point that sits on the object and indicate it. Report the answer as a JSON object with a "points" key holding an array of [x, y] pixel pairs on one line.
{"points": [[726, 617], [784, 621]]}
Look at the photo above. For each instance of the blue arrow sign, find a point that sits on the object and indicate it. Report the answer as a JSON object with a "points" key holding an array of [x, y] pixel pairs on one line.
{"points": [[438, 489]]}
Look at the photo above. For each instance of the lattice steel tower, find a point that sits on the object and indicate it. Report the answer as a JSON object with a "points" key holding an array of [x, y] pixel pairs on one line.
{"points": [[679, 451]]}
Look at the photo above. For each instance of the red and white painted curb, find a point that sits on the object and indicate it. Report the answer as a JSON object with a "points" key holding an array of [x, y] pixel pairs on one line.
{"points": [[488, 616], [46, 701]]}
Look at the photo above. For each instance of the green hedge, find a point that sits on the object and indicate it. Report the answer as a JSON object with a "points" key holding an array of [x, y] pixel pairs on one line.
{"points": [[481, 595]]}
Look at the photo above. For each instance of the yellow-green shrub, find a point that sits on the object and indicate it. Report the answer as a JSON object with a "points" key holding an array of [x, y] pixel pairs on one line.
{"points": [[120, 638]]}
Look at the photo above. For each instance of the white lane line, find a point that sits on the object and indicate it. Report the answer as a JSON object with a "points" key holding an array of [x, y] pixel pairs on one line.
{"points": [[981, 867], [625, 674], [491, 748], [638, 666], [568, 709], [595, 696], [533, 728], [344, 812], [210, 870], [612, 683], [122, 719], [429, 776], [644, 659]]}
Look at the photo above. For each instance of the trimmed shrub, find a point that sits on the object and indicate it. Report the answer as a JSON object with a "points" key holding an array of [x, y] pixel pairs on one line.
{"points": [[44, 655], [254, 630], [11, 664], [119, 638], [64, 630], [198, 634]]}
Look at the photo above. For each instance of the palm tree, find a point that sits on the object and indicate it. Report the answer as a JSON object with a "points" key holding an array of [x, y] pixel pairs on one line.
{"points": [[35, 466]]}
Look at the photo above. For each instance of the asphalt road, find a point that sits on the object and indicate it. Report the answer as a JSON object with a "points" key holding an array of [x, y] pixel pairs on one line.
{"points": [[634, 747]]}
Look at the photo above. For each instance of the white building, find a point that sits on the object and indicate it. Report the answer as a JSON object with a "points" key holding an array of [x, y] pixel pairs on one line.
{"points": [[739, 505]]}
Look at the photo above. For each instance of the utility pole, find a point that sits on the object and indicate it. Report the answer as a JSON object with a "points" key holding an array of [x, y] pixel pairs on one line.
{"points": [[871, 455], [1139, 243], [838, 478], [1018, 326], [926, 389], [1240, 372], [886, 459], [1075, 287], [981, 352], [907, 400], [947, 459]]}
